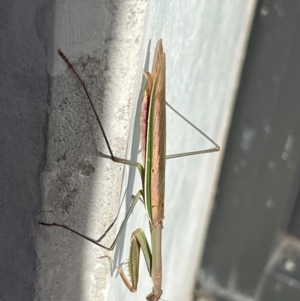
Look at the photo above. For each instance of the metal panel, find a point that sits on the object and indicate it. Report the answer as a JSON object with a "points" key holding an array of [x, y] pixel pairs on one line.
{"points": [[253, 204]]}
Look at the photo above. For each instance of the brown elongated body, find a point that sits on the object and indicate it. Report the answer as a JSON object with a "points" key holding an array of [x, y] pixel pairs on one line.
{"points": [[153, 144]]}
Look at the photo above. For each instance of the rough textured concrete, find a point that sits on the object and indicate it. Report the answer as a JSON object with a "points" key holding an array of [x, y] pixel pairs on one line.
{"points": [[79, 188]]}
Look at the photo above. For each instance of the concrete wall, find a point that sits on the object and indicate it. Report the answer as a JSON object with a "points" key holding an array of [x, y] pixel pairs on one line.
{"points": [[24, 96], [110, 44], [81, 189]]}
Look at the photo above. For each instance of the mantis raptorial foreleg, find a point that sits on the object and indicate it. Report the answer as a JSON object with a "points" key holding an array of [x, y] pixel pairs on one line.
{"points": [[138, 241], [152, 172]]}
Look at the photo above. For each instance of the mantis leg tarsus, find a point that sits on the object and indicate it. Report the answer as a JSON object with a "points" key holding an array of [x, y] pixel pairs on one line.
{"points": [[76, 232], [121, 273], [154, 297]]}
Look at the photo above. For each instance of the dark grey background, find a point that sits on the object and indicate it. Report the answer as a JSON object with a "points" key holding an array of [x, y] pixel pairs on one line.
{"points": [[252, 250], [24, 82]]}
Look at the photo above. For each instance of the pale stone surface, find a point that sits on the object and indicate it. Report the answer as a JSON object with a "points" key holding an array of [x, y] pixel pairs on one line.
{"points": [[204, 44]]}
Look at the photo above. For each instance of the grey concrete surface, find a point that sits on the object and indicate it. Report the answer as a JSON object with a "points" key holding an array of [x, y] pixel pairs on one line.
{"points": [[24, 94], [80, 188], [103, 40]]}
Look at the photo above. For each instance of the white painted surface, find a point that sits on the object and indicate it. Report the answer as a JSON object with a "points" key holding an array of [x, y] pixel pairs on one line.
{"points": [[204, 43]]}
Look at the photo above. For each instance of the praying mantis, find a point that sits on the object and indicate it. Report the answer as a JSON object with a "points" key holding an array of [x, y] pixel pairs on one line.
{"points": [[152, 173]]}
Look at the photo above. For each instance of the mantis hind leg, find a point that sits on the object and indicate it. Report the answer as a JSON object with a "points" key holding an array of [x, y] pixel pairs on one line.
{"points": [[135, 199]]}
